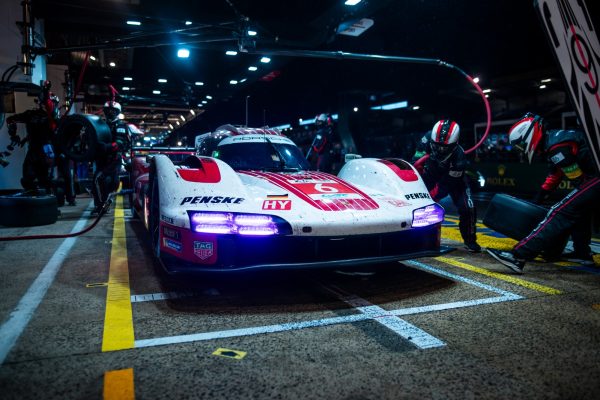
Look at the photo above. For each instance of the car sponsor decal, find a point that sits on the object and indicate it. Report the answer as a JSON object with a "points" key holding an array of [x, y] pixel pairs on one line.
{"points": [[203, 250], [572, 171], [173, 245], [416, 196], [212, 200], [283, 205], [166, 219], [397, 202], [172, 233], [312, 186], [557, 158], [207, 172]]}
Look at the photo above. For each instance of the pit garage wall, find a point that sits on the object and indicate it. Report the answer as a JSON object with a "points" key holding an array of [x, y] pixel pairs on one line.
{"points": [[10, 52]]}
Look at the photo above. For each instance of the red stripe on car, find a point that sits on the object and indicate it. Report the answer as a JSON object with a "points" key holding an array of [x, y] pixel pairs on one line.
{"points": [[207, 173], [407, 175]]}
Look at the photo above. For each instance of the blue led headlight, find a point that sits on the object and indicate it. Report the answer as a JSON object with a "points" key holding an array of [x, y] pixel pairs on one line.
{"points": [[238, 224], [429, 215]]}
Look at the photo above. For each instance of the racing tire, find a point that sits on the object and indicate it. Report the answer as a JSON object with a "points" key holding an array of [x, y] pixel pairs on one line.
{"points": [[78, 135], [22, 210]]}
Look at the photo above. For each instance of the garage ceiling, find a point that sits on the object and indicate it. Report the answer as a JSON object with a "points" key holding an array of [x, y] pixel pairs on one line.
{"points": [[501, 42]]}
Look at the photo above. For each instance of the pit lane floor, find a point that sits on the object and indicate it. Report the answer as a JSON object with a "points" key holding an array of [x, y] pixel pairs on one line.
{"points": [[92, 317]]}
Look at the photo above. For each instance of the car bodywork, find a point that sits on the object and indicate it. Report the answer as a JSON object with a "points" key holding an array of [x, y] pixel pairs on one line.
{"points": [[249, 201]]}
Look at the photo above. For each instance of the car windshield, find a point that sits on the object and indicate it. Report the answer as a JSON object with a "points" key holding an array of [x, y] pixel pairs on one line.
{"points": [[264, 156]]}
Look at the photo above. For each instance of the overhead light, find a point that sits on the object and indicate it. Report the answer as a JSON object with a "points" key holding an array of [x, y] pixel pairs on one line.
{"points": [[138, 143], [476, 79], [352, 2], [112, 64], [208, 96], [188, 22], [178, 123], [231, 52], [121, 116], [251, 33], [182, 118], [162, 80], [265, 60], [233, 82], [542, 86], [199, 83], [127, 78], [92, 58], [243, 80], [204, 101], [487, 96], [487, 90], [391, 106], [302, 121], [546, 80], [282, 127], [200, 105], [171, 126], [183, 53], [136, 23], [193, 112], [355, 109], [415, 108], [156, 92], [125, 88], [252, 68]]}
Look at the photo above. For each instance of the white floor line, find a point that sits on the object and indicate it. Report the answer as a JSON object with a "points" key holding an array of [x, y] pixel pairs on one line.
{"points": [[370, 315], [13, 327]]}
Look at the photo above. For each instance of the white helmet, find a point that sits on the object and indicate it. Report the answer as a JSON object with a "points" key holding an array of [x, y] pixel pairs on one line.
{"points": [[323, 120], [527, 134], [111, 110], [444, 138]]}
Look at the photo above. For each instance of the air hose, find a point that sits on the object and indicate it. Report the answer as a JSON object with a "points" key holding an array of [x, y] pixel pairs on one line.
{"points": [[103, 211]]}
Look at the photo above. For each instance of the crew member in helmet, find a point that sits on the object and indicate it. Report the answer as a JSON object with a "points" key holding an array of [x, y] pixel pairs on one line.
{"points": [[444, 174], [41, 124], [108, 161], [322, 142], [569, 156]]}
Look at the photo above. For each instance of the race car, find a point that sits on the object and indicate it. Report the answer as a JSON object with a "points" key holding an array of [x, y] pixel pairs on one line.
{"points": [[247, 200]]}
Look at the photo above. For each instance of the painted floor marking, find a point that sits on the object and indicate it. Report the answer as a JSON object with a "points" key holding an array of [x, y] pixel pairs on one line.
{"points": [[408, 331], [498, 275], [13, 327], [118, 385], [505, 296], [228, 353], [118, 318]]}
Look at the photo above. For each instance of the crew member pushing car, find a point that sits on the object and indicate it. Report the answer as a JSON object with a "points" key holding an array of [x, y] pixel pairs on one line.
{"points": [[444, 174], [569, 156]]}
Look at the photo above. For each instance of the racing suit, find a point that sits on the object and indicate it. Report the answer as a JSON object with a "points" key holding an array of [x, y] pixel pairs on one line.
{"points": [[322, 145], [569, 156], [445, 177], [39, 158]]}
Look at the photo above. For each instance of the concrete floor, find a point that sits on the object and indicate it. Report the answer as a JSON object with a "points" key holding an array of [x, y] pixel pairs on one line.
{"points": [[459, 326]]}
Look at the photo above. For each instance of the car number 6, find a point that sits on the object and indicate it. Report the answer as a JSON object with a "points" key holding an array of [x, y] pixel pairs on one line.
{"points": [[325, 189]]}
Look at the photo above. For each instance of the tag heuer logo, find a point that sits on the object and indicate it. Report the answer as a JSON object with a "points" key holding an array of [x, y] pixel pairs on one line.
{"points": [[203, 250]]}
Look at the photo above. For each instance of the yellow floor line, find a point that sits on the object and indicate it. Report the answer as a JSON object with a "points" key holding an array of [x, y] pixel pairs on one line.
{"points": [[118, 385], [497, 275], [118, 320], [453, 233]]}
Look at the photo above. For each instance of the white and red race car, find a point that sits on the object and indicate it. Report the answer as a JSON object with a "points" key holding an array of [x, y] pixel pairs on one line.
{"points": [[248, 200]]}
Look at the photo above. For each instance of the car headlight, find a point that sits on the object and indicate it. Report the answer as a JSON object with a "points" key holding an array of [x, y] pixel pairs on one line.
{"points": [[425, 216], [238, 224]]}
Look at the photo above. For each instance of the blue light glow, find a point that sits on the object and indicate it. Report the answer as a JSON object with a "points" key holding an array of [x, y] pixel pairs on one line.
{"points": [[183, 53], [391, 106]]}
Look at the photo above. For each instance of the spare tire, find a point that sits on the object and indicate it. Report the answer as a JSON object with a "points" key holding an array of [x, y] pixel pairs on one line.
{"points": [[19, 210], [78, 134]]}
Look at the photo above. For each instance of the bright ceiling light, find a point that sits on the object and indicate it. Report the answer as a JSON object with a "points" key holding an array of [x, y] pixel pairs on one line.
{"points": [[208, 96], [352, 2], [204, 101], [487, 96], [193, 112], [476, 79], [127, 78], [171, 126], [243, 80], [265, 60], [179, 143], [182, 118], [125, 87], [188, 22], [355, 109], [252, 33], [162, 80], [542, 86], [415, 108], [136, 23], [199, 83], [92, 58], [231, 52], [487, 90], [391, 106], [546, 80], [156, 92], [178, 123], [200, 105], [112, 64], [183, 53], [233, 82], [252, 68]]}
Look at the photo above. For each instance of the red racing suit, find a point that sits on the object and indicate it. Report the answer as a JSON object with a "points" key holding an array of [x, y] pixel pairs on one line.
{"points": [[569, 156]]}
